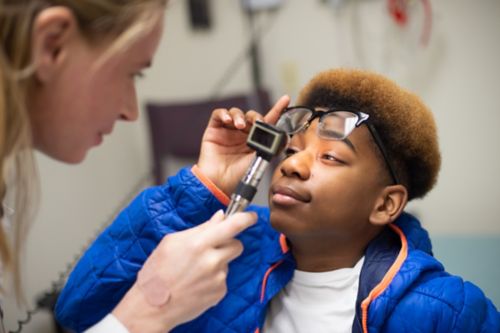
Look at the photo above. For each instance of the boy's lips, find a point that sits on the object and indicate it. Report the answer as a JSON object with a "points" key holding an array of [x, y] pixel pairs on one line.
{"points": [[283, 194]]}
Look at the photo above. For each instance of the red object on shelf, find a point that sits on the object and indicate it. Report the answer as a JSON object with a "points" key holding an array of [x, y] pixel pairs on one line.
{"points": [[398, 9]]}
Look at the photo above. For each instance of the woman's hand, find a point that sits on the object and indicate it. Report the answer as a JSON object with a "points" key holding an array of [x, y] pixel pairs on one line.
{"points": [[224, 155], [184, 276]]}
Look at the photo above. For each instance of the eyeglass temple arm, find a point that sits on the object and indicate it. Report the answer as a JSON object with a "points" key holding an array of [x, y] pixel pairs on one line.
{"points": [[392, 169]]}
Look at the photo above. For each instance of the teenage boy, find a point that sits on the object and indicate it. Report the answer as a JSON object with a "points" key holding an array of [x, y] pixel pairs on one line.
{"points": [[334, 252]]}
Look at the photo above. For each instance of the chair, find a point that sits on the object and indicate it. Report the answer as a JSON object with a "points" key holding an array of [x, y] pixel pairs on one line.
{"points": [[176, 129]]}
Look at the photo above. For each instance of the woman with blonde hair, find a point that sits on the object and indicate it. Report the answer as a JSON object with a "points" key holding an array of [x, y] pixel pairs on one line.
{"points": [[67, 70]]}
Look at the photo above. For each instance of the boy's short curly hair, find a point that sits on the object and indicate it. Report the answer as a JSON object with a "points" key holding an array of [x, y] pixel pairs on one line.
{"points": [[406, 126]]}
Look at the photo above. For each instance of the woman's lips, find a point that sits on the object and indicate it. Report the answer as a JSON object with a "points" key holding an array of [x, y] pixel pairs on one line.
{"points": [[98, 139], [288, 196], [101, 134]]}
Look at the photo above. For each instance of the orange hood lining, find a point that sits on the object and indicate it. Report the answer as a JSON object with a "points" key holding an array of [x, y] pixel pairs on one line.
{"points": [[389, 276]]}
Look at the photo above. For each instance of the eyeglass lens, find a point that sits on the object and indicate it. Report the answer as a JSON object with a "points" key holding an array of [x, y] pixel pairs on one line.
{"points": [[293, 120], [335, 125]]}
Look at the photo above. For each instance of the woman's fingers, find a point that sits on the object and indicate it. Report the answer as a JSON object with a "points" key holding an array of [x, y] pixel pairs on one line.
{"points": [[220, 233], [230, 250], [187, 272]]}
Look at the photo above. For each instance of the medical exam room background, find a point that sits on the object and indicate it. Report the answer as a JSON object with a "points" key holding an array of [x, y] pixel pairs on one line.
{"points": [[457, 74]]}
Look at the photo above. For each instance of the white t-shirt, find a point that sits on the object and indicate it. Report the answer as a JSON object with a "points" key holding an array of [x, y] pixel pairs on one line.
{"points": [[315, 302], [108, 325]]}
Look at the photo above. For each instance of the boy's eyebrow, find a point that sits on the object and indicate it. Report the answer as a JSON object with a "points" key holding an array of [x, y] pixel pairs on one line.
{"points": [[349, 144]]}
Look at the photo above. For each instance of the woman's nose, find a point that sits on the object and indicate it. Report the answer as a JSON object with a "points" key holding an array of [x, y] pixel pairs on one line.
{"points": [[130, 113], [130, 110], [297, 165]]}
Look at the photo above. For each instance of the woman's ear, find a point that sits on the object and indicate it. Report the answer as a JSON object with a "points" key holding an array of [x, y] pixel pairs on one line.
{"points": [[389, 205], [53, 31]]}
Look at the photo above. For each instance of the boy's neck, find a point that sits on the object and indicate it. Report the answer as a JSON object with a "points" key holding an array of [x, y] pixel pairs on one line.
{"points": [[321, 254]]}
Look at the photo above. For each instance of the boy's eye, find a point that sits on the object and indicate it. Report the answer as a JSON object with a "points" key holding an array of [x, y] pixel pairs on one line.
{"points": [[332, 158], [289, 152], [329, 157]]}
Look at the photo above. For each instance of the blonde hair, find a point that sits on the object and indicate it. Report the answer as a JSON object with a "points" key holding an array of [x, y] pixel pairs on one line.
{"points": [[121, 20]]}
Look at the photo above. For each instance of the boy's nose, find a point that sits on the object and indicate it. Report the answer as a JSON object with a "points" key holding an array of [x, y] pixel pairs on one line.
{"points": [[297, 165]]}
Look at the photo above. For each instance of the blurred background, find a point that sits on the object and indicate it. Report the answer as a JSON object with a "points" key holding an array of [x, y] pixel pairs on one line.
{"points": [[446, 51]]}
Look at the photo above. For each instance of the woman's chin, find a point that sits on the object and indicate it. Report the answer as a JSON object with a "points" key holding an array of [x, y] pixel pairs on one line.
{"points": [[70, 157]]}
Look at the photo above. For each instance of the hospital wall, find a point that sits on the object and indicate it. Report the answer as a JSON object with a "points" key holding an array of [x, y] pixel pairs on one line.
{"points": [[457, 74]]}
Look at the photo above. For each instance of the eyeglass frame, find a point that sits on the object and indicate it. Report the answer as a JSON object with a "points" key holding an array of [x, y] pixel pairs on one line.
{"points": [[363, 118]]}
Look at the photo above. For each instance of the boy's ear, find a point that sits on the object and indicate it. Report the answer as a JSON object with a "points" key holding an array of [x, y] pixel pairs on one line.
{"points": [[53, 30], [389, 205]]}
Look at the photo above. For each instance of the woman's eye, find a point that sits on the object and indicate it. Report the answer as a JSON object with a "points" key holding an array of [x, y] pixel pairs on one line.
{"points": [[138, 75]]}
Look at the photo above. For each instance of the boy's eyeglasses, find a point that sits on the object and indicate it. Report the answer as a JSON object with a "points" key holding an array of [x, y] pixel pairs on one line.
{"points": [[334, 124]]}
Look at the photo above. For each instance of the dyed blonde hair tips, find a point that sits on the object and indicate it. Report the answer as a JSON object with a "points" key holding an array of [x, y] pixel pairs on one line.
{"points": [[117, 22]]}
